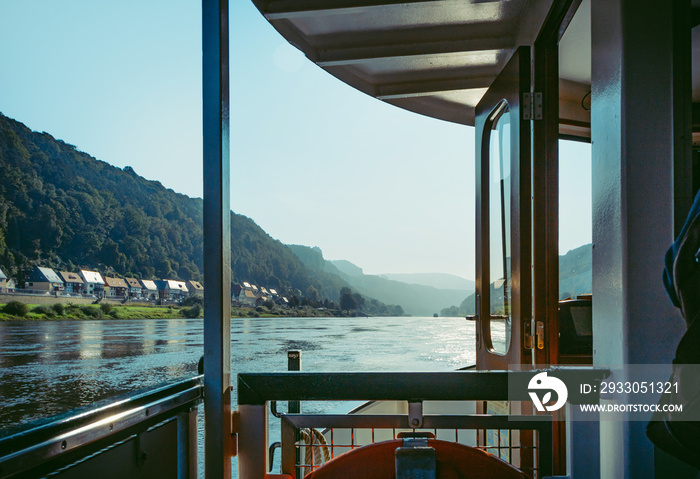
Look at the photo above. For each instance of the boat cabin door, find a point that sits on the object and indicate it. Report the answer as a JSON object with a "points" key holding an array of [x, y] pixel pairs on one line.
{"points": [[503, 226]]}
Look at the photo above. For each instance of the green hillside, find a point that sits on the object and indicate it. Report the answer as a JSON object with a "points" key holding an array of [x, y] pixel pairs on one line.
{"points": [[62, 208]]}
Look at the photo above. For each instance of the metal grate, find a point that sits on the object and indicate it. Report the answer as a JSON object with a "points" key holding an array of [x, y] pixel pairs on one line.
{"points": [[345, 433]]}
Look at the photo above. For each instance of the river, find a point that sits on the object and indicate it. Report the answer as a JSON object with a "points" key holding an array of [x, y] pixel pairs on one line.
{"points": [[49, 367]]}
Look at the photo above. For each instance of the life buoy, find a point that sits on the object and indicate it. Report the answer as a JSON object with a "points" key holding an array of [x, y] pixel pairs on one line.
{"points": [[453, 461]]}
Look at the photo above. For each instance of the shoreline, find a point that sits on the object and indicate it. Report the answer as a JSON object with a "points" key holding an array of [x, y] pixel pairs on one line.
{"points": [[72, 312]]}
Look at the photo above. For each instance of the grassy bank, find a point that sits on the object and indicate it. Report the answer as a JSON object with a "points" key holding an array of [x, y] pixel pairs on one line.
{"points": [[14, 311]]}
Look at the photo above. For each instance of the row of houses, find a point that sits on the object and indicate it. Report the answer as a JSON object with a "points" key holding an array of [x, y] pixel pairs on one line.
{"points": [[247, 294], [86, 283]]}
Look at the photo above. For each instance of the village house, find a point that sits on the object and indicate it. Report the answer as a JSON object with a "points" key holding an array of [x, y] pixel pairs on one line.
{"points": [[149, 290], [171, 290], [273, 292], [115, 287], [195, 288], [247, 298], [283, 301], [135, 289], [3, 282], [73, 284], [94, 284], [236, 291], [44, 279]]}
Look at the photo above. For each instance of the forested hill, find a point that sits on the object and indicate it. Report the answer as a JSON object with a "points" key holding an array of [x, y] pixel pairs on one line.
{"points": [[63, 209]]}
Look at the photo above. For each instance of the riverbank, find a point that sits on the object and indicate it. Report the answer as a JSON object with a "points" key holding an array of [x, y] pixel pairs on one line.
{"points": [[70, 311]]}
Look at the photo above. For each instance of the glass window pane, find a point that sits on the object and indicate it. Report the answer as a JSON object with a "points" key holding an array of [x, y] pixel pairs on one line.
{"points": [[499, 231]]}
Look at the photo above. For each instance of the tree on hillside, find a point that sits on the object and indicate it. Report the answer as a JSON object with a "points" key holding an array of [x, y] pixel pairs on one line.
{"points": [[360, 300], [312, 294], [348, 302]]}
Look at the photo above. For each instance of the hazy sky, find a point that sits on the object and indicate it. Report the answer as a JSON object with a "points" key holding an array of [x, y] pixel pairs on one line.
{"points": [[313, 161]]}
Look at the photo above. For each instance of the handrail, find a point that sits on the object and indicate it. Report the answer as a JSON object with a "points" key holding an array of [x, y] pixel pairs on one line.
{"points": [[463, 385], [256, 389], [67, 437]]}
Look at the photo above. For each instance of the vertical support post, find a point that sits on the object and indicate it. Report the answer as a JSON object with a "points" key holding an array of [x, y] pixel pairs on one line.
{"points": [[290, 453], [294, 407], [633, 134], [294, 364], [187, 444], [252, 446], [217, 240], [545, 202]]}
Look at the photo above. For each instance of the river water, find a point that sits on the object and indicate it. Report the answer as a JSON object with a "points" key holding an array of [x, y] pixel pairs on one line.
{"points": [[49, 367]]}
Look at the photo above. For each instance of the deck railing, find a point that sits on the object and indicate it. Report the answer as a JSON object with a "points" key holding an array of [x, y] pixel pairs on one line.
{"points": [[150, 433], [255, 391]]}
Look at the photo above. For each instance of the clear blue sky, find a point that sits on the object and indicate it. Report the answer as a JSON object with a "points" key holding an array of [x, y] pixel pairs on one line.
{"points": [[313, 161]]}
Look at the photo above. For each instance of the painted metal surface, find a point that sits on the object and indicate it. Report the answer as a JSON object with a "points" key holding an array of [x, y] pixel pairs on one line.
{"points": [[633, 136], [91, 439], [217, 240]]}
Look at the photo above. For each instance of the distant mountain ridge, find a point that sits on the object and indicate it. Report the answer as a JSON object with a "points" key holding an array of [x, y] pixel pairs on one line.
{"points": [[575, 278], [62, 208], [418, 300], [435, 280]]}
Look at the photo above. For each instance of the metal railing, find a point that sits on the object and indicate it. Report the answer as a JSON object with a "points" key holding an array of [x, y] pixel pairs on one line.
{"points": [[256, 390], [392, 424], [143, 434]]}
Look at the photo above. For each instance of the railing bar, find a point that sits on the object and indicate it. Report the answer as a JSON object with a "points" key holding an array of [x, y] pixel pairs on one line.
{"points": [[254, 388], [429, 422], [34, 455], [121, 403]]}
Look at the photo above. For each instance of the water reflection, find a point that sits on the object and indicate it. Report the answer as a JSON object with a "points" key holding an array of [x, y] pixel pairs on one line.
{"points": [[51, 367]]}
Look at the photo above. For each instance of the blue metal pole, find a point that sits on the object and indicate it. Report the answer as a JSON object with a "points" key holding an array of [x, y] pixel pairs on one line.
{"points": [[217, 240]]}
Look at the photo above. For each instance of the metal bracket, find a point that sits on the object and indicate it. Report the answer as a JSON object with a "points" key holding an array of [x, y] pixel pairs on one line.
{"points": [[528, 342], [540, 334], [531, 106], [235, 421], [415, 459], [141, 453], [415, 414], [235, 426]]}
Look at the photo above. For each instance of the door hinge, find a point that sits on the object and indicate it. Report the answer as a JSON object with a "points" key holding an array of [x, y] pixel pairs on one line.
{"points": [[528, 343], [532, 106], [539, 330]]}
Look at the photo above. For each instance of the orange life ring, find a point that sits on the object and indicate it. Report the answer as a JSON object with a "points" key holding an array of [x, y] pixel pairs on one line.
{"points": [[453, 461]]}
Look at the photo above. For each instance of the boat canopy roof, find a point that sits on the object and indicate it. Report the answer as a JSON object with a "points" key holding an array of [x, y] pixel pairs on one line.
{"points": [[438, 57]]}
